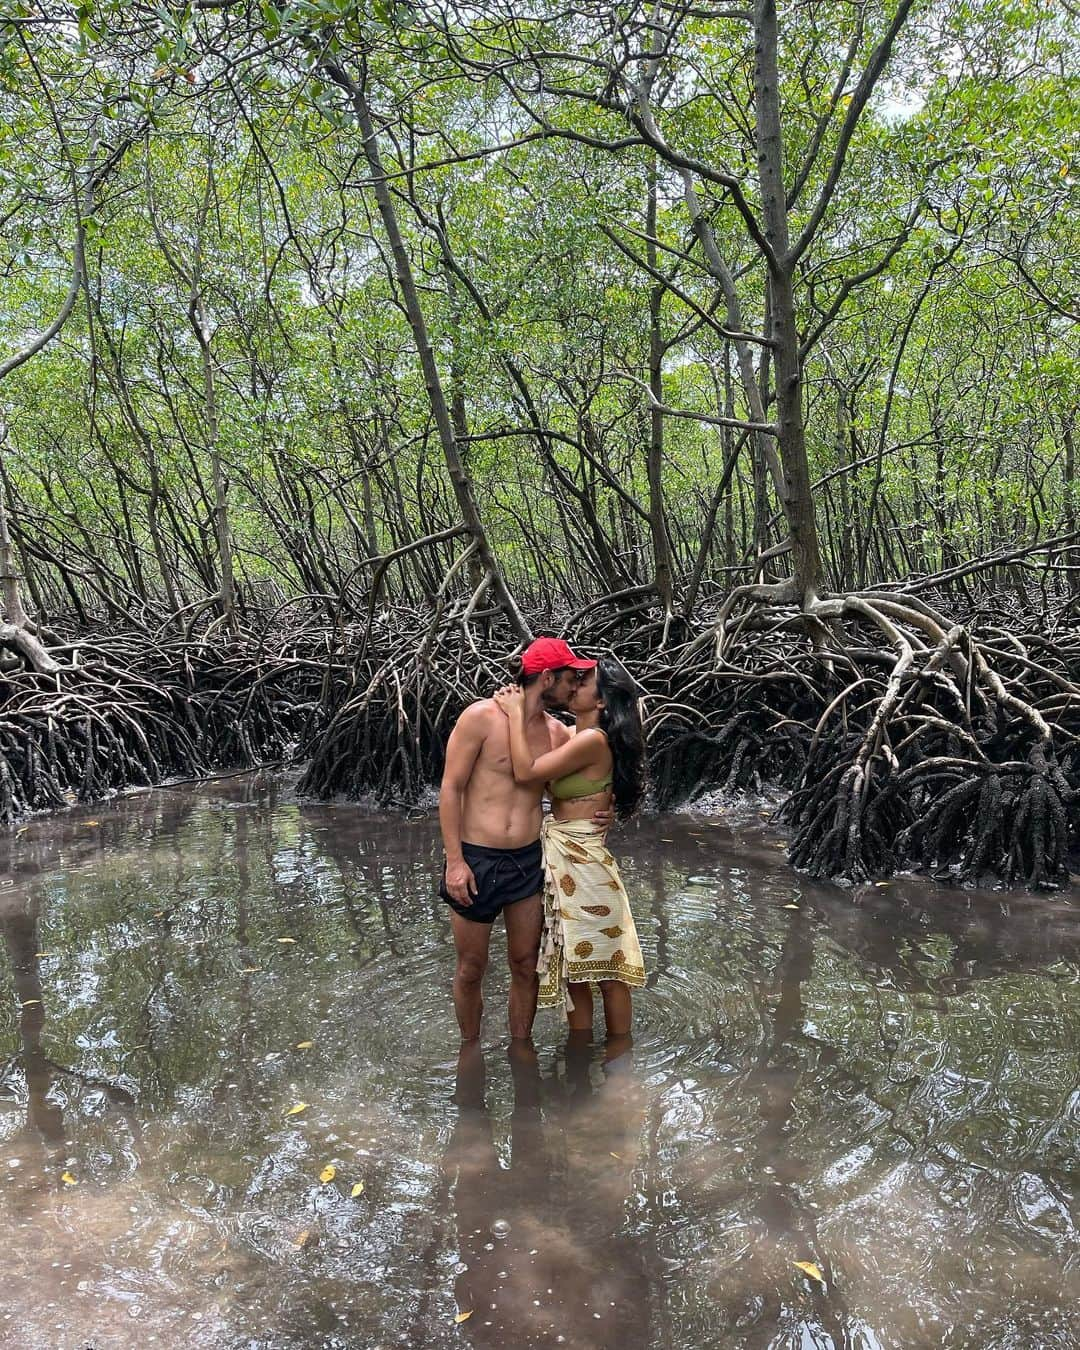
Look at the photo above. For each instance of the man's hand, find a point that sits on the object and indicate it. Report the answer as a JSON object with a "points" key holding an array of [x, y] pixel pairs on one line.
{"points": [[460, 882], [602, 819]]}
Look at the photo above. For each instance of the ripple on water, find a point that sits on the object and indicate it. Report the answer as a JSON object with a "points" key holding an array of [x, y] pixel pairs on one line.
{"points": [[889, 1090]]}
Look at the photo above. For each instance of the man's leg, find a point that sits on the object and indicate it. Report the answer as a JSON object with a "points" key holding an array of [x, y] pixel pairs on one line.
{"points": [[524, 922], [471, 941]]}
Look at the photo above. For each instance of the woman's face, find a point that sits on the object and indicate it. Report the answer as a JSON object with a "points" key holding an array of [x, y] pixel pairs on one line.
{"points": [[585, 697]]}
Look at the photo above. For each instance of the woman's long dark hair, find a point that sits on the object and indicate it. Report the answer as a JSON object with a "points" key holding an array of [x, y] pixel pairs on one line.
{"points": [[620, 721]]}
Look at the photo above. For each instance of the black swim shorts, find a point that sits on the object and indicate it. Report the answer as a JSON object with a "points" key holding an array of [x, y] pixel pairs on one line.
{"points": [[503, 876]]}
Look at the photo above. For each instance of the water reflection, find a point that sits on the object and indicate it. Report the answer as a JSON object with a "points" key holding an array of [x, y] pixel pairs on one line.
{"points": [[885, 1088], [544, 1254]]}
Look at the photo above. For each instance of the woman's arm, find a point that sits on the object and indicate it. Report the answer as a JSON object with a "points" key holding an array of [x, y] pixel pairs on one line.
{"points": [[575, 754]]}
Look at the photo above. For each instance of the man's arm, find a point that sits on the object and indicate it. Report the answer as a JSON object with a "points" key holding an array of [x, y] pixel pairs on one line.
{"points": [[462, 749]]}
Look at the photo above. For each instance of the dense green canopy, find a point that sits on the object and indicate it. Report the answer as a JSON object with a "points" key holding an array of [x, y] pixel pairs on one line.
{"points": [[237, 380]]}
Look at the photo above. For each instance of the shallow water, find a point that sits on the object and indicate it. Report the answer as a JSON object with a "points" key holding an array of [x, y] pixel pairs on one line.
{"points": [[886, 1086]]}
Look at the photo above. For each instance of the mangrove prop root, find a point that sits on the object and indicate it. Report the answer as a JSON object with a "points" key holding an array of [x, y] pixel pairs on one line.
{"points": [[903, 741]]}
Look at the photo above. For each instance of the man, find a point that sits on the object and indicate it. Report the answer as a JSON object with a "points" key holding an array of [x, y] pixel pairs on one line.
{"points": [[491, 834]]}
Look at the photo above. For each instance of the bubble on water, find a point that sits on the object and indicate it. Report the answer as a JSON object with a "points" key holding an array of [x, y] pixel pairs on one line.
{"points": [[489, 1246], [461, 1268], [500, 1228], [504, 1274]]}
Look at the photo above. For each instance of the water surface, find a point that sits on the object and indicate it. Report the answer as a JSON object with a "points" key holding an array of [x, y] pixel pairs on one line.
{"points": [[885, 1086]]}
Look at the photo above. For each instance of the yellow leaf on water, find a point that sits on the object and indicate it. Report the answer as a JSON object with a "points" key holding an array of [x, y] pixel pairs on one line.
{"points": [[68, 1179], [463, 1316], [41, 955], [292, 940], [791, 906], [617, 1155], [91, 822], [250, 970], [813, 1271], [328, 1173], [27, 1002], [295, 1110], [358, 1189], [301, 1238], [304, 1045], [881, 883]]}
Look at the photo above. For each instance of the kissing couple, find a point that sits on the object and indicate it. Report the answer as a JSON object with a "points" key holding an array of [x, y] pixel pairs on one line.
{"points": [[551, 877]]}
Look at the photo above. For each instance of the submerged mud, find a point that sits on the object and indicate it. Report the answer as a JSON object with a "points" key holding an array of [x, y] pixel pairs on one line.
{"points": [[883, 1085]]}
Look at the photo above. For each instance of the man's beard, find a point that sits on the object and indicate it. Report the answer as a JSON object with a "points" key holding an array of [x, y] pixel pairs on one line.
{"points": [[552, 703]]}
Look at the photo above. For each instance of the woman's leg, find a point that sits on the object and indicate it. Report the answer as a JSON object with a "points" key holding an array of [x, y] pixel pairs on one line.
{"points": [[581, 1018], [618, 1011]]}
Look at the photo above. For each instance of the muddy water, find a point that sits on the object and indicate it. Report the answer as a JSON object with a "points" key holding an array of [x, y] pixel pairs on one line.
{"points": [[887, 1090]]}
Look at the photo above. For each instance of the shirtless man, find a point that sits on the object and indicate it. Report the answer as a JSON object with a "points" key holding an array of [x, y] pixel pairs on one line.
{"points": [[491, 833]]}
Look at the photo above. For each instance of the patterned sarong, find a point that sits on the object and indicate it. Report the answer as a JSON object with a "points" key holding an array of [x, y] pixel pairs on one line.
{"points": [[589, 932]]}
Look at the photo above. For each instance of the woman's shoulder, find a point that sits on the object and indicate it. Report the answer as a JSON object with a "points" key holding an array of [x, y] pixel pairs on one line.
{"points": [[592, 732]]}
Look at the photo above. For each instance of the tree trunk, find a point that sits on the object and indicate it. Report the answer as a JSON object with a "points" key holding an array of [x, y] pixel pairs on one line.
{"points": [[470, 514], [661, 542], [796, 495]]}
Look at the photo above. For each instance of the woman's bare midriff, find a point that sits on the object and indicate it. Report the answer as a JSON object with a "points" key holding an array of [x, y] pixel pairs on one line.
{"points": [[581, 808]]}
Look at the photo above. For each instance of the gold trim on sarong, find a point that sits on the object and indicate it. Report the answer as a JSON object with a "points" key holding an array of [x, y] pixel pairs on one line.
{"points": [[589, 932]]}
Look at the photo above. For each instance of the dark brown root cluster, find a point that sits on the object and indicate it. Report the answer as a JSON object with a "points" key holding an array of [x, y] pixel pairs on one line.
{"points": [[945, 751], [391, 711], [125, 711], [903, 742]]}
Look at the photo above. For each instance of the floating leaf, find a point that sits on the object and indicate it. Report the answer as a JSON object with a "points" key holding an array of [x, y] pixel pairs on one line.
{"points": [[40, 956], [289, 940], [68, 1179], [28, 1002], [358, 1189], [463, 1316], [328, 1173], [295, 1110], [304, 1045], [301, 1239], [617, 1155], [91, 822], [250, 970], [810, 1269]]}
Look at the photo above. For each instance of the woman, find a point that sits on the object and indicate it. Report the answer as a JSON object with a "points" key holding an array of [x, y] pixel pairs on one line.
{"points": [[589, 934]]}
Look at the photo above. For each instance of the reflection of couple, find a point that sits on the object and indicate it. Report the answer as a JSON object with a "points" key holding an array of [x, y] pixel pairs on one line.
{"points": [[545, 1255], [566, 911]]}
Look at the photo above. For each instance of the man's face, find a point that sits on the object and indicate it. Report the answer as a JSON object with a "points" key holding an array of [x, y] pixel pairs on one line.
{"points": [[560, 685]]}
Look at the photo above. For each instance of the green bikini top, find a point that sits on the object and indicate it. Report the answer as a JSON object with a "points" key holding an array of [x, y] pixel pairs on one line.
{"points": [[577, 785], [573, 785]]}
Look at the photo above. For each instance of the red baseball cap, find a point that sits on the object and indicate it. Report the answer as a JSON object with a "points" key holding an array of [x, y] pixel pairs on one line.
{"points": [[548, 653]]}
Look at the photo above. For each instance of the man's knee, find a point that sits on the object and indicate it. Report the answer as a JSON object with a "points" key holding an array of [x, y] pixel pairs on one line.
{"points": [[470, 969], [523, 967]]}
